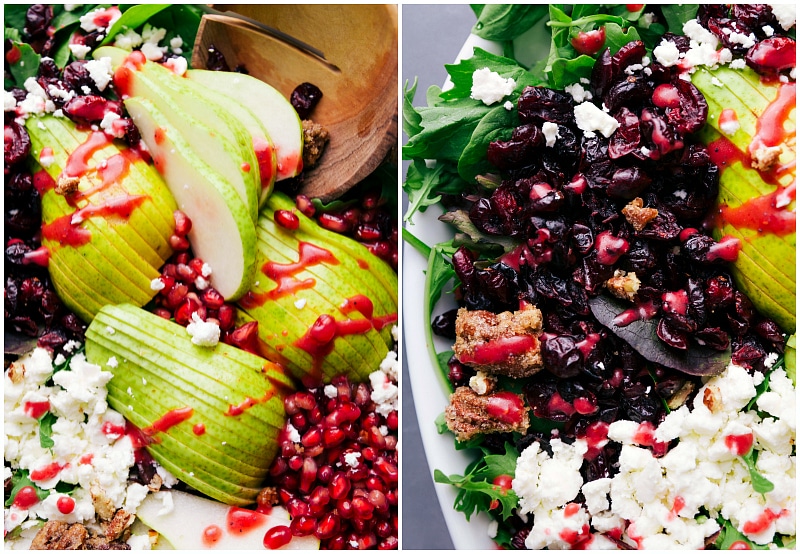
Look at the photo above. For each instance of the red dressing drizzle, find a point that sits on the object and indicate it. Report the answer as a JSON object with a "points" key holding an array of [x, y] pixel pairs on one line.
{"points": [[168, 421]]}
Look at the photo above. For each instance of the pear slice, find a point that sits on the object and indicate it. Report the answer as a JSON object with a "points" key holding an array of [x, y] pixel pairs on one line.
{"points": [[196, 523], [324, 273], [217, 137], [102, 254], [275, 112], [222, 232], [211, 416]]}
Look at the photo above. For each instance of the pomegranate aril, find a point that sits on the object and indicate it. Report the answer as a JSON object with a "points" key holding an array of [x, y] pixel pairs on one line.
{"points": [[327, 526], [391, 421], [303, 526], [178, 243], [278, 467], [185, 273], [299, 421], [319, 499], [295, 463], [325, 474], [278, 536], [339, 486], [307, 474], [212, 299], [305, 206], [344, 508], [378, 500], [367, 541], [182, 223], [163, 312], [334, 223], [312, 438], [297, 508], [384, 529], [387, 469], [287, 219], [336, 543], [304, 400], [388, 544], [332, 436]]}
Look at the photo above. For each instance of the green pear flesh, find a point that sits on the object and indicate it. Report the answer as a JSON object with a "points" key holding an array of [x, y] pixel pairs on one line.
{"points": [[185, 526], [232, 400], [216, 137], [222, 234], [760, 269], [347, 271], [275, 112], [122, 254]]}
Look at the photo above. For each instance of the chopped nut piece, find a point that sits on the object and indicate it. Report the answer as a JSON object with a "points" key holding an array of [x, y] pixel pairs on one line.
{"points": [[315, 137], [16, 372], [482, 383], [469, 414], [637, 215], [624, 285], [57, 535], [711, 399], [155, 483], [102, 503], [764, 157], [67, 185], [119, 523], [268, 497], [506, 343]]}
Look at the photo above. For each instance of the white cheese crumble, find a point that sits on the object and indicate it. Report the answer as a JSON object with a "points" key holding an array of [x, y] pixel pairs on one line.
{"points": [[157, 284], [667, 53], [738, 63], [152, 51], [300, 303], [544, 483], [128, 40], [351, 458], [331, 391], [384, 389], [730, 127], [89, 20], [79, 50], [590, 118], [293, 433], [490, 87], [509, 105], [579, 94], [786, 14], [550, 131], [100, 71], [204, 333]]}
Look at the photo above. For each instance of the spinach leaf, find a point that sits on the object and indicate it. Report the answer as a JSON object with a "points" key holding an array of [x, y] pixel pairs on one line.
{"points": [[180, 20], [46, 430], [498, 124], [461, 74], [446, 129], [729, 535], [14, 15], [66, 18], [502, 22], [439, 273], [26, 66], [133, 18], [443, 358], [678, 14], [617, 36]]}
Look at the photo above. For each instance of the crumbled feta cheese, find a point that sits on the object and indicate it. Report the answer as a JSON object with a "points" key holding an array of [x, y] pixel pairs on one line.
{"points": [[201, 283], [769, 361], [696, 32], [9, 102], [152, 51], [786, 14], [331, 391], [550, 131], [351, 458], [153, 35], [175, 44], [716, 82], [100, 71], [384, 390], [544, 483], [738, 63], [494, 525], [177, 65], [769, 31], [157, 284], [590, 118], [300, 303], [204, 333], [729, 127], [112, 362], [579, 94], [740, 38], [646, 20], [79, 50], [292, 432], [128, 40], [490, 87], [509, 105], [205, 271], [101, 18], [107, 125]]}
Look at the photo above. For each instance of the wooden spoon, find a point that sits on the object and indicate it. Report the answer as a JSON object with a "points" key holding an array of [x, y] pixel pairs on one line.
{"points": [[357, 76]]}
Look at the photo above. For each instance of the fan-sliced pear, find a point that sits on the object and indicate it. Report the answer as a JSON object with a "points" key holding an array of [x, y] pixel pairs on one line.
{"points": [[222, 234]]}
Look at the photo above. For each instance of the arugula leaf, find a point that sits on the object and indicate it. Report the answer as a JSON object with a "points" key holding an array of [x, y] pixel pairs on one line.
{"points": [[132, 18], [498, 124], [441, 425], [27, 66], [425, 185], [418, 245], [761, 484], [678, 14], [20, 479], [476, 491], [443, 358], [617, 36], [502, 22], [411, 119], [439, 273], [729, 535], [46, 430]]}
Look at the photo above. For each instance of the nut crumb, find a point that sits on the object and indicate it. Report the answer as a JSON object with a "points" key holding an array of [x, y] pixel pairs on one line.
{"points": [[315, 137], [764, 157], [637, 215], [67, 185], [711, 399], [16, 373], [624, 285]]}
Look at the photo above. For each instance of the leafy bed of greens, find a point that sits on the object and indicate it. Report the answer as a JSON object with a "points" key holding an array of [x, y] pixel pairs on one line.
{"points": [[455, 130]]}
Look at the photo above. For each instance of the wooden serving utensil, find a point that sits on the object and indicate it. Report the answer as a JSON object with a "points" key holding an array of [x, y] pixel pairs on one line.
{"points": [[356, 72]]}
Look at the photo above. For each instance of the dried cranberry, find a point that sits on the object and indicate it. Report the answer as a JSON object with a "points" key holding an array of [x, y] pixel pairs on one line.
{"points": [[76, 77], [37, 21], [17, 144], [772, 55], [305, 98]]}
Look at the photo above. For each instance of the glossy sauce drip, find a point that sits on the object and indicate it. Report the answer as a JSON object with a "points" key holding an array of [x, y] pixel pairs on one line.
{"points": [[111, 171], [726, 249], [499, 350], [506, 407], [211, 535], [240, 521], [610, 248], [763, 213], [596, 438], [112, 431], [645, 436], [263, 150], [48, 472], [761, 523], [249, 402], [78, 162], [67, 231], [675, 302], [168, 421], [587, 344], [123, 78], [643, 311], [40, 257], [43, 182], [725, 154], [557, 405], [770, 125], [362, 264], [199, 429], [36, 410]]}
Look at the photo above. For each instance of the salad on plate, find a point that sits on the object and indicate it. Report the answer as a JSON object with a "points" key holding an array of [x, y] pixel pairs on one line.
{"points": [[197, 355], [602, 199]]}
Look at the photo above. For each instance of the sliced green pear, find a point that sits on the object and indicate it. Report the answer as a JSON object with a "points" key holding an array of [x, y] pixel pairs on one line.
{"points": [[275, 112], [217, 137], [106, 214], [222, 234], [325, 305], [210, 415], [196, 523], [790, 357]]}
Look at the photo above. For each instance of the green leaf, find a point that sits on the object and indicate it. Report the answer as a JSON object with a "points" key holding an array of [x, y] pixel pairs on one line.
{"points": [[20, 479], [68, 18], [27, 66], [442, 358], [441, 424], [763, 386], [617, 36], [445, 130], [425, 185], [678, 14], [133, 18], [761, 484], [473, 237], [504, 22], [439, 273], [411, 119], [498, 124], [568, 70], [729, 534], [14, 15], [418, 245], [461, 74], [180, 20], [62, 54], [476, 491], [46, 430]]}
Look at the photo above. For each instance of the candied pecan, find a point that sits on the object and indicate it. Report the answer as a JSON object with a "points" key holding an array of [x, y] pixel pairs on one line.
{"points": [[57, 535], [315, 137], [637, 215], [624, 285], [470, 414], [67, 185], [119, 523]]}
